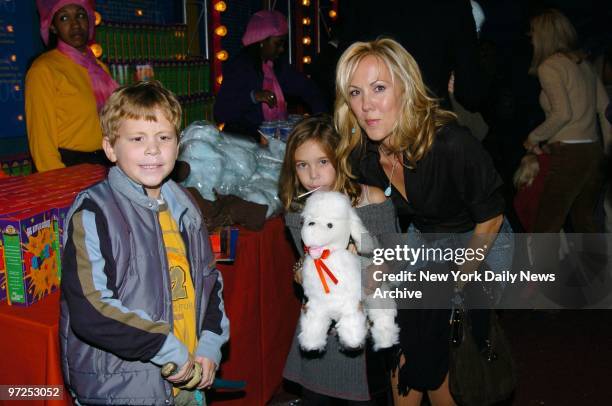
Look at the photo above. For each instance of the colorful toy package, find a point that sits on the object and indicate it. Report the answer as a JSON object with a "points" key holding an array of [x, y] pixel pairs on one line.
{"points": [[32, 214], [30, 256]]}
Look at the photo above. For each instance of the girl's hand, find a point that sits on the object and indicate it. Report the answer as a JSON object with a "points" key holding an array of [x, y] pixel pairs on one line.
{"points": [[297, 271], [209, 370], [352, 248], [266, 96]]}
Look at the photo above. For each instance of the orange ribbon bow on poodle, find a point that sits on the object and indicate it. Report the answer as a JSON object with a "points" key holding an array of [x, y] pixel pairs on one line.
{"points": [[320, 265]]}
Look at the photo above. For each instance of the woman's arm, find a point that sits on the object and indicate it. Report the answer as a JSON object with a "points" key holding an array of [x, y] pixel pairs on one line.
{"points": [[603, 103], [483, 238], [550, 76], [40, 118]]}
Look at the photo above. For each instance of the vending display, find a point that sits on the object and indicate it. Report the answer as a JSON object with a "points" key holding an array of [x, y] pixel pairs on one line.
{"points": [[135, 52]]}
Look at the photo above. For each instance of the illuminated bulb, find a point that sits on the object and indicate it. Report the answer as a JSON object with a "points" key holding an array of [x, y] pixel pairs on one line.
{"points": [[306, 59], [9, 28], [13, 58], [333, 14], [20, 117], [98, 18], [220, 6], [222, 55], [96, 49], [219, 79], [221, 30], [306, 3], [221, 126], [306, 40], [306, 21], [139, 12], [17, 88]]}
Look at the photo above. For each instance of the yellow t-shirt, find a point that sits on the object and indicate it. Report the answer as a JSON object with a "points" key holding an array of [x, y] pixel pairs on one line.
{"points": [[61, 110], [183, 293]]}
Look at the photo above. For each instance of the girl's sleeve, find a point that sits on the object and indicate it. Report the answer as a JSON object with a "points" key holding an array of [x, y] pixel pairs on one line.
{"points": [[41, 120], [97, 316]]}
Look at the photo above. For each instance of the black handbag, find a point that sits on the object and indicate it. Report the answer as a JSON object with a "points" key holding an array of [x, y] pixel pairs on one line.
{"points": [[481, 369]]}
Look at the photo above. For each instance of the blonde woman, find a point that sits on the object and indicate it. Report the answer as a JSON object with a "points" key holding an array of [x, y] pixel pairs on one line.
{"points": [[572, 97], [435, 172]]}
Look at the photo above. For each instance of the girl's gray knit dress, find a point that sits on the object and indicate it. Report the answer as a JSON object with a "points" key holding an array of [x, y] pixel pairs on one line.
{"points": [[334, 372]]}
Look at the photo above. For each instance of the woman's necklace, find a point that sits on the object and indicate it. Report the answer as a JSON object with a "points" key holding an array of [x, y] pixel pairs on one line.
{"points": [[388, 190]]}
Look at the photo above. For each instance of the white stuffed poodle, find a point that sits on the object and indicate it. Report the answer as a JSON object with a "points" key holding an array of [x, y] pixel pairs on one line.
{"points": [[332, 278]]}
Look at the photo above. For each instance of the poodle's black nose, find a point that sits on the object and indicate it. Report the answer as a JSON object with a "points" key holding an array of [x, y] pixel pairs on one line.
{"points": [[330, 225]]}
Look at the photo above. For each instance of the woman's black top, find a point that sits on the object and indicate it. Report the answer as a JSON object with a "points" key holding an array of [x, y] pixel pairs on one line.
{"points": [[451, 189]]}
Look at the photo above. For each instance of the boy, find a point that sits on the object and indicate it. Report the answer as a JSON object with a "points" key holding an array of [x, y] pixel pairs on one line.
{"points": [[139, 287]]}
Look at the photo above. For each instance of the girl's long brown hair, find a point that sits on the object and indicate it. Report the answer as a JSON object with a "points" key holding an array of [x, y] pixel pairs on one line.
{"points": [[318, 128]]}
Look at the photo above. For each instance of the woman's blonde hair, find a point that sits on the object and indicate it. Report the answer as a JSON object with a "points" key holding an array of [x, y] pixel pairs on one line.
{"points": [[420, 114], [320, 129], [526, 172], [139, 101], [551, 33]]}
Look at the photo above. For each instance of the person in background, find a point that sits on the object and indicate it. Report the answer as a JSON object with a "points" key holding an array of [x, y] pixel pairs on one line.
{"points": [[310, 164], [65, 89], [140, 290], [256, 82], [572, 97]]}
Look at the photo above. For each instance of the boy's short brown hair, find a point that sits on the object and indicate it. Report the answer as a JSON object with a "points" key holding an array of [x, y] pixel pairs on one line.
{"points": [[139, 101]]}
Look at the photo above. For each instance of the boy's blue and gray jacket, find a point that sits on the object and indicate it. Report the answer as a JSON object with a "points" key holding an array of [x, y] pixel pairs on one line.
{"points": [[116, 307]]}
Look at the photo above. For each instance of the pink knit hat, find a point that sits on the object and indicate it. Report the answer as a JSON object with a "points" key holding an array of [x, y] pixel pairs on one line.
{"points": [[264, 24], [48, 8]]}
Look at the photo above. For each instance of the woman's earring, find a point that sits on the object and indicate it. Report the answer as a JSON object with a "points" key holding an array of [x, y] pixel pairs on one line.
{"points": [[353, 130]]}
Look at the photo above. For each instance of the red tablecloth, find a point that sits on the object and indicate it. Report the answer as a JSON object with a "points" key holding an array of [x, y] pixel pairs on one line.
{"points": [[263, 312], [29, 347], [259, 302]]}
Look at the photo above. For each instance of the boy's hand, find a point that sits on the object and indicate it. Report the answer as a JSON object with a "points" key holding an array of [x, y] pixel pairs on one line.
{"points": [[184, 373], [209, 369]]}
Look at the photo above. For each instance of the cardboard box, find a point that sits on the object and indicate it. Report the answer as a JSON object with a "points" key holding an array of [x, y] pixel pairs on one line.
{"points": [[223, 243], [27, 202], [30, 255]]}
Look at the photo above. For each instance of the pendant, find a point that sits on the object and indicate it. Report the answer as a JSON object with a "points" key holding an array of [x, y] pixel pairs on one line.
{"points": [[388, 191]]}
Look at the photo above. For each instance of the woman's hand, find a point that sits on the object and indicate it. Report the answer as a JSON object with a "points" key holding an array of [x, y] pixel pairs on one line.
{"points": [[528, 145], [266, 96]]}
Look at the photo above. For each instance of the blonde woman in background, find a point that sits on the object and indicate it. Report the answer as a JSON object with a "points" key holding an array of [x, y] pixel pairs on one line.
{"points": [[572, 97]]}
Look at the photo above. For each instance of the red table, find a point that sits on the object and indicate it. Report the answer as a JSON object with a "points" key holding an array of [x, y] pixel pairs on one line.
{"points": [[259, 302], [29, 347], [263, 312]]}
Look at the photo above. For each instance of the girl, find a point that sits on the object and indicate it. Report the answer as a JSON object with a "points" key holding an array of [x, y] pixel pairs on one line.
{"points": [[310, 163]]}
